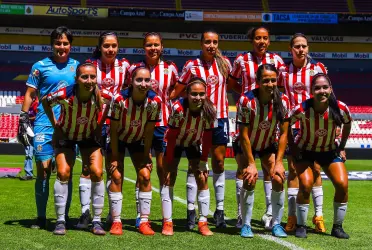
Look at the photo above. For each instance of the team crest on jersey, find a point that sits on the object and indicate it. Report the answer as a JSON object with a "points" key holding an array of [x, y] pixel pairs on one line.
{"points": [[72, 68], [166, 71], [108, 82], [135, 123], [272, 61], [312, 73], [321, 132], [191, 131], [264, 125], [299, 87], [82, 120], [36, 73], [121, 69], [212, 80], [39, 148]]}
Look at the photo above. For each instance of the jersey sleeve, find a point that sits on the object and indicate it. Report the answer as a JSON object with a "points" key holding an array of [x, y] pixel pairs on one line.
{"points": [[173, 74], [59, 95], [244, 110], [236, 70], [34, 77], [116, 107], [286, 105], [345, 112], [177, 115], [281, 65], [228, 63], [153, 109], [186, 74], [295, 114], [321, 68], [125, 67]]}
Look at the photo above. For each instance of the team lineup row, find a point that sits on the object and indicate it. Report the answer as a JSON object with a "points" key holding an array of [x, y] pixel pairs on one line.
{"points": [[108, 105]]}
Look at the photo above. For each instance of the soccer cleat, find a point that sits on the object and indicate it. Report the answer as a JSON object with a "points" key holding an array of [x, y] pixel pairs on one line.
{"points": [[26, 178], [246, 232], [278, 231], [191, 219], [291, 224], [301, 231], [116, 228], [338, 232], [167, 228], [204, 229], [145, 228], [219, 218], [239, 222], [60, 228], [84, 220], [266, 221], [138, 221], [319, 224], [40, 223], [97, 228]]}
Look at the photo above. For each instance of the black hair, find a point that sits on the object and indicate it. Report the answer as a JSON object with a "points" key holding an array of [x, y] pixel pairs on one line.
{"points": [[278, 106], [58, 33], [221, 62], [209, 111], [97, 53], [252, 32], [334, 109]]}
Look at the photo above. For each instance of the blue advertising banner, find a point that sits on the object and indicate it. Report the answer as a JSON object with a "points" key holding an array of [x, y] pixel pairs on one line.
{"points": [[299, 18]]}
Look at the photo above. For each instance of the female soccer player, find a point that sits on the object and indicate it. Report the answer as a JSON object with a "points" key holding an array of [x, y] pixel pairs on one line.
{"points": [[164, 75], [244, 68], [214, 69], [296, 81], [134, 114], [259, 113], [77, 124], [319, 117], [189, 127], [112, 72], [47, 75]]}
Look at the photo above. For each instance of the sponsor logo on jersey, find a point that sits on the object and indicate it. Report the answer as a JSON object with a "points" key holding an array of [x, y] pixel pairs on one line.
{"points": [[108, 82], [82, 120], [40, 138], [135, 123], [299, 87], [264, 125], [212, 79], [321, 132]]}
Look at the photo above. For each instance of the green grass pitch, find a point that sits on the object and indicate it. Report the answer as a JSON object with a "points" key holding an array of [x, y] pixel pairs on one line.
{"points": [[17, 211]]}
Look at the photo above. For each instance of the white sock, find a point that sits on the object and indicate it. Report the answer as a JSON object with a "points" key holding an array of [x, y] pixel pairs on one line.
{"points": [[339, 212], [116, 203], [268, 189], [145, 204], [60, 198], [219, 188], [203, 202], [191, 191], [108, 183], [292, 195], [277, 199], [247, 201], [302, 211], [137, 202], [166, 203], [85, 193], [98, 199], [317, 193], [238, 186]]}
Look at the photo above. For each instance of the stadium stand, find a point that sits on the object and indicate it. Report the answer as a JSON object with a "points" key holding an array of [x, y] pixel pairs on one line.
{"points": [[160, 4], [252, 5], [331, 6], [363, 6], [48, 2]]}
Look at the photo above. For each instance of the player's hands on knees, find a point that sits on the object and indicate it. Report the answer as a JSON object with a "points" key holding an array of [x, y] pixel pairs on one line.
{"points": [[278, 170], [147, 163], [342, 154], [250, 174]]}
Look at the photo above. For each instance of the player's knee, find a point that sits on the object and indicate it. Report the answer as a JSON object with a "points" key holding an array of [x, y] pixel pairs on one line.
{"points": [[96, 175], [277, 181], [341, 187], [116, 177], [63, 175], [144, 176]]}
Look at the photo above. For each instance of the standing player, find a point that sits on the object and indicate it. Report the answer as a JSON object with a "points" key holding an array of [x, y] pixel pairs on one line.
{"points": [[319, 117], [164, 76], [77, 125], [112, 72], [259, 113], [296, 81], [214, 69], [189, 127], [47, 75], [245, 67], [134, 114]]}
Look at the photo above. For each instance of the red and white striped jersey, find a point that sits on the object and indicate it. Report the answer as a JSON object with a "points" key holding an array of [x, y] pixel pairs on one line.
{"points": [[216, 82], [164, 76], [78, 120], [191, 126], [133, 118], [246, 65], [261, 119], [112, 76], [318, 131]]}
